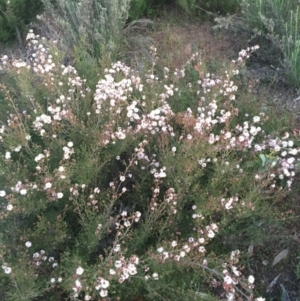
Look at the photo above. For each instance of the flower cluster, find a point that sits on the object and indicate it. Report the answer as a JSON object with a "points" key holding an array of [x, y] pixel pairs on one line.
{"points": [[39, 258]]}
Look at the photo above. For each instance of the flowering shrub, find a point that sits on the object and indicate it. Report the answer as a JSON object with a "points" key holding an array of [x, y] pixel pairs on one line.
{"points": [[113, 193]]}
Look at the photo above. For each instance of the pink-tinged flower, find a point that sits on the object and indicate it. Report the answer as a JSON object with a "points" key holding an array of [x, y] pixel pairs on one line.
{"points": [[174, 243], [228, 279], [78, 284], [132, 269], [118, 264], [201, 249]]}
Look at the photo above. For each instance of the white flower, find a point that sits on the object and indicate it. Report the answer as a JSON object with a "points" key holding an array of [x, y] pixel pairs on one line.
{"points": [[118, 264], [59, 195], [23, 191], [7, 155], [160, 250], [173, 149], [59, 279], [260, 299], [48, 185], [211, 234], [201, 240], [78, 283], [52, 280], [155, 276], [103, 293], [104, 283], [251, 279], [201, 249], [2, 193], [70, 144], [256, 119], [293, 151], [241, 138], [291, 160], [39, 157], [112, 272], [28, 244], [127, 224], [7, 270], [174, 243], [117, 247], [9, 207], [79, 271], [132, 269], [228, 279]]}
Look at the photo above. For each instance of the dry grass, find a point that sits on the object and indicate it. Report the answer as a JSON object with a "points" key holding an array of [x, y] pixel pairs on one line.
{"points": [[176, 44]]}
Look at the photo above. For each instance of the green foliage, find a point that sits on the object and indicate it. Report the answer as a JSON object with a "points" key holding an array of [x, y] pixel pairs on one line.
{"points": [[210, 7], [140, 8], [278, 22], [291, 46], [298, 269], [90, 25], [148, 8], [15, 15]]}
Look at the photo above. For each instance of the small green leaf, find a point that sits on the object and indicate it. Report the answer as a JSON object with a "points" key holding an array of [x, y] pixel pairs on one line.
{"points": [[263, 159]]}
